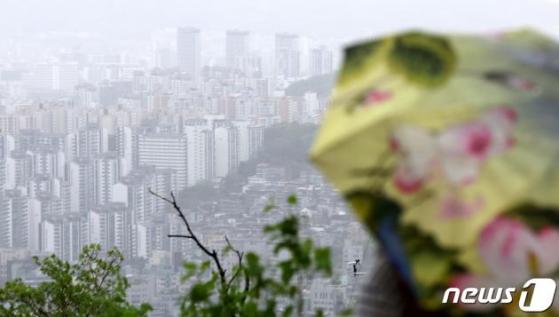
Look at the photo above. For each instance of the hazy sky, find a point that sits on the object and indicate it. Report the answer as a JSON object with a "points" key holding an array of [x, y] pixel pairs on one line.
{"points": [[316, 18]]}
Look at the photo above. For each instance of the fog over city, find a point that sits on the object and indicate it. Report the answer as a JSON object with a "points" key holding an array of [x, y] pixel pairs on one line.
{"points": [[102, 101]]}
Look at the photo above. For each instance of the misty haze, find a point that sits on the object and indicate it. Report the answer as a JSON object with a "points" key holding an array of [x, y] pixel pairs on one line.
{"points": [[215, 101]]}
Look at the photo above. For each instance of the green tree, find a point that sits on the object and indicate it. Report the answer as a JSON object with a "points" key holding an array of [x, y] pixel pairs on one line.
{"points": [[93, 286], [253, 286]]}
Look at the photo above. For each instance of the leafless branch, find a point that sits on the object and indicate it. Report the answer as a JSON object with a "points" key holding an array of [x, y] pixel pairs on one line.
{"points": [[192, 236], [240, 256], [179, 236]]}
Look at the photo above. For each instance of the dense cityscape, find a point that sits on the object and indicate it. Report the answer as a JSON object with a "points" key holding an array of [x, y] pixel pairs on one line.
{"points": [[86, 133]]}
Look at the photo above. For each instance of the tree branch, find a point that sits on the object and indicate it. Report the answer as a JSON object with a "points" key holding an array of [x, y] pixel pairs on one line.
{"points": [[192, 236], [106, 274], [179, 236], [240, 256]]}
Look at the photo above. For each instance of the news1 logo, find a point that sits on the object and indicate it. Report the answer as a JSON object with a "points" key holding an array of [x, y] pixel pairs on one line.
{"points": [[536, 295]]}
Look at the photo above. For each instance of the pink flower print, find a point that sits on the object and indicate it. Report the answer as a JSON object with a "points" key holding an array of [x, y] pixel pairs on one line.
{"points": [[471, 139], [406, 182], [548, 238], [463, 148], [506, 112], [416, 149], [522, 84], [377, 96], [457, 153], [509, 249], [501, 121]]}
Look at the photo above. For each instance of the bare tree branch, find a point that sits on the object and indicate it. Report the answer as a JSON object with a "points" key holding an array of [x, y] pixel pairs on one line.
{"points": [[240, 256], [179, 236], [192, 236]]}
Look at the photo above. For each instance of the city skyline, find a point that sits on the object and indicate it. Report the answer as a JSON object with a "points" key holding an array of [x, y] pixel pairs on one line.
{"points": [[86, 136], [104, 102]]}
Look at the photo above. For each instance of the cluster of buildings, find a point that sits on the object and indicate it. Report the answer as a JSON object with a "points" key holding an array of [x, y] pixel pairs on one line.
{"points": [[61, 190], [85, 137], [238, 214]]}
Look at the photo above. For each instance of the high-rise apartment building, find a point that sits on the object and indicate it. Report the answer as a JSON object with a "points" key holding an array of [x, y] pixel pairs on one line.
{"points": [[165, 151], [81, 175], [106, 169], [320, 61], [226, 150], [287, 54], [189, 51], [54, 76], [106, 225], [61, 235], [237, 49]]}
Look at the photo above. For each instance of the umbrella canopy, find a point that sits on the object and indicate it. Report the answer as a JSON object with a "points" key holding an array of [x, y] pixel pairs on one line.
{"points": [[441, 142]]}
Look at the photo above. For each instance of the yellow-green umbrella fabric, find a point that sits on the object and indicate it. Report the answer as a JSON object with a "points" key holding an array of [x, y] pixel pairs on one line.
{"points": [[449, 133]]}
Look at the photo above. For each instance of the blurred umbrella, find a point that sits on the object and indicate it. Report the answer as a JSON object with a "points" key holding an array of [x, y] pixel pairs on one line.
{"points": [[431, 138]]}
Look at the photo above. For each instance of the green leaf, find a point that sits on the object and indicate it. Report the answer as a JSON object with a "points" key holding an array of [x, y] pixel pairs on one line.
{"points": [[292, 200], [269, 206], [288, 270], [322, 260], [253, 265], [201, 292]]}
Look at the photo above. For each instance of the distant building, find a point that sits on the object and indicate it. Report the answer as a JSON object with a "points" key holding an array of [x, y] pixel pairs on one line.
{"points": [[189, 51], [107, 224], [165, 151], [199, 140], [287, 54], [249, 139], [125, 148], [107, 172], [237, 49], [19, 221], [320, 61], [56, 76], [81, 175], [226, 150], [62, 235]]}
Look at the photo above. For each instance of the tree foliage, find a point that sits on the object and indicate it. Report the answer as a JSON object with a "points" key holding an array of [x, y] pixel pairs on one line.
{"points": [[93, 286], [253, 287]]}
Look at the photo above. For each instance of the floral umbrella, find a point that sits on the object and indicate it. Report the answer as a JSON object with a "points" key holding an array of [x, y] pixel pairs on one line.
{"points": [[446, 147]]}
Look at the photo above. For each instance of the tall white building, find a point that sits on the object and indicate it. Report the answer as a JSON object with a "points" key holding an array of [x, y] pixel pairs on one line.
{"points": [[81, 175], [6, 222], [23, 217], [106, 225], [48, 162], [165, 151], [54, 76], [320, 61], [287, 55], [125, 149], [189, 51], [7, 144], [61, 235], [19, 169], [198, 137], [91, 141], [106, 169], [226, 151], [237, 49]]}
